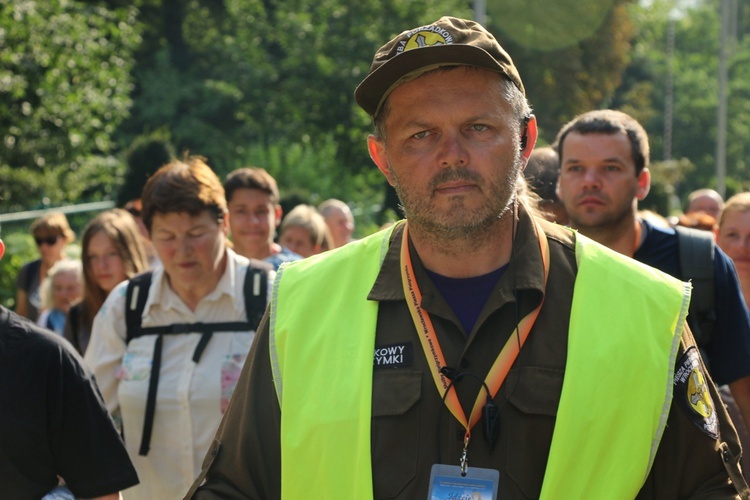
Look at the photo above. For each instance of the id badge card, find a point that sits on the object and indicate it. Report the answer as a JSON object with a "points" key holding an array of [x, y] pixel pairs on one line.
{"points": [[447, 483]]}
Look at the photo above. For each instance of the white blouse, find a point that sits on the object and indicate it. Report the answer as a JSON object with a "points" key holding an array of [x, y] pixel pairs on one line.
{"points": [[191, 397]]}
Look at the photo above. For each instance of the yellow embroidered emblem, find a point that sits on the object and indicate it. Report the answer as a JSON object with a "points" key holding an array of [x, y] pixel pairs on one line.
{"points": [[692, 393], [424, 39], [697, 391]]}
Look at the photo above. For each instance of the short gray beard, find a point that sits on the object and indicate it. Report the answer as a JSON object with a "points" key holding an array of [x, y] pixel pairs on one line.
{"points": [[454, 238]]}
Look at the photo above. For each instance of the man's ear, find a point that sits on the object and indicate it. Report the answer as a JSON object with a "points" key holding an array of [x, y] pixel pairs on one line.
{"points": [[2, 249], [224, 223], [528, 139], [376, 146], [279, 213], [644, 184]]}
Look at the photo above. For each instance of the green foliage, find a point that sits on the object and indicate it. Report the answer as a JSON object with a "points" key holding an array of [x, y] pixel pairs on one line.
{"points": [[94, 95], [64, 89], [144, 157], [564, 80], [695, 90], [306, 172], [19, 249], [271, 84]]}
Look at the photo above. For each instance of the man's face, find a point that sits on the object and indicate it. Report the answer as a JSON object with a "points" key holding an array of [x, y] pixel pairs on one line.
{"points": [[734, 239], [452, 150], [298, 240], [341, 225], [705, 204], [598, 183], [66, 289], [253, 217]]}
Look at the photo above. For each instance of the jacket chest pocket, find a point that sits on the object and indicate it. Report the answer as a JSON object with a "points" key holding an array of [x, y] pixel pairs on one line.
{"points": [[395, 430], [529, 424]]}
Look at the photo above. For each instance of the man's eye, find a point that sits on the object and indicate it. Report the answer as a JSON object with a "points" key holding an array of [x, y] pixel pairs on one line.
{"points": [[421, 135], [478, 127]]}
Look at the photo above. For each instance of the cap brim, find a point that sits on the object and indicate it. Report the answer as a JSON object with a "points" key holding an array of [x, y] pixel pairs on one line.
{"points": [[377, 85]]}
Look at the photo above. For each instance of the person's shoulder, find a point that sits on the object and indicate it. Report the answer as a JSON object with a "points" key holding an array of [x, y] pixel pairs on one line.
{"points": [[32, 265], [26, 273], [657, 236], [282, 257], [242, 264], [18, 331], [559, 233], [376, 245]]}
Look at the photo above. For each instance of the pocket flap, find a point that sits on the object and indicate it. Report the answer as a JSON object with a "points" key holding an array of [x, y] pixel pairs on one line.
{"points": [[535, 390], [395, 391]]}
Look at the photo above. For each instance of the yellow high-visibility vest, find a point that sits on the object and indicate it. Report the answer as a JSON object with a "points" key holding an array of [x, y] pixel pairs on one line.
{"points": [[623, 337]]}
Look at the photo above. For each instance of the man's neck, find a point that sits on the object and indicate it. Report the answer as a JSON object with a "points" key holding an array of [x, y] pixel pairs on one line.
{"points": [[623, 237], [259, 252], [467, 256]]}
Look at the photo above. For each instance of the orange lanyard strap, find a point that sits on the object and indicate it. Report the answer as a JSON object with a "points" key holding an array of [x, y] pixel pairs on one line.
{"points": [[434, 354]]}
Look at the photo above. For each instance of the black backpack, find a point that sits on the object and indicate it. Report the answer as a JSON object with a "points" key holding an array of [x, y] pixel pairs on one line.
{"points": [[255, 290], [697, 249]]}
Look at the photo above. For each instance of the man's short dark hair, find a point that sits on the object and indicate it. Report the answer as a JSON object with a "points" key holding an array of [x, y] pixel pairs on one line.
{"points": [[251, 178], [542, 171], [608, 121]]}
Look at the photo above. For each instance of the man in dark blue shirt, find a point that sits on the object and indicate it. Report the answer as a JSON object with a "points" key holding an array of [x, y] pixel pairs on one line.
{"points": [[604, 172]]}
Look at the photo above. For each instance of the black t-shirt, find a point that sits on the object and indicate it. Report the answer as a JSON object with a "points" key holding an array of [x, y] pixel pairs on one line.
{"points": [[728, 349], [53, 420]]}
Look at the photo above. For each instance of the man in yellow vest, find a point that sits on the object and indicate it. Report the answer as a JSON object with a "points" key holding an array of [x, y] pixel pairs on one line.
{"points": [[471, 351]]}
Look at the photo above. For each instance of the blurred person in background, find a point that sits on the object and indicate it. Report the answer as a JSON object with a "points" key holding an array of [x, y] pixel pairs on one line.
{"points": [[705, 200], [167, 346], [135, 208], [112, 252], [541, 175], [61, 288], [304, 231], [698, 220], [340, 220], [52, 234], [604, 160], [254, 214], [734, 237]]}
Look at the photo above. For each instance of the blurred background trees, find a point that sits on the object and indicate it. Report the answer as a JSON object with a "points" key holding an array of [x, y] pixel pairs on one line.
{"points": [[95, 94]]}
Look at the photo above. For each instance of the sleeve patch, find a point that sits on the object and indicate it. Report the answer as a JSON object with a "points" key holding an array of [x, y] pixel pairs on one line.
{"points": [[692, 394]]}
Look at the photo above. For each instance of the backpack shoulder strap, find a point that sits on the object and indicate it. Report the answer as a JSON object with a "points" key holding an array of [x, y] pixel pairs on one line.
{"points": [[696, 249], [255, 290], [135, 302]]}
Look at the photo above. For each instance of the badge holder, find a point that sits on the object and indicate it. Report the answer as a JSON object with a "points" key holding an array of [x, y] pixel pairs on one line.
{"points": [[447, 482]]}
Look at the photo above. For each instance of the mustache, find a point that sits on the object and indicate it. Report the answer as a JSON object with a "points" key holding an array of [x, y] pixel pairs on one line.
{"points": [[592, 194], [454, 174]]}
